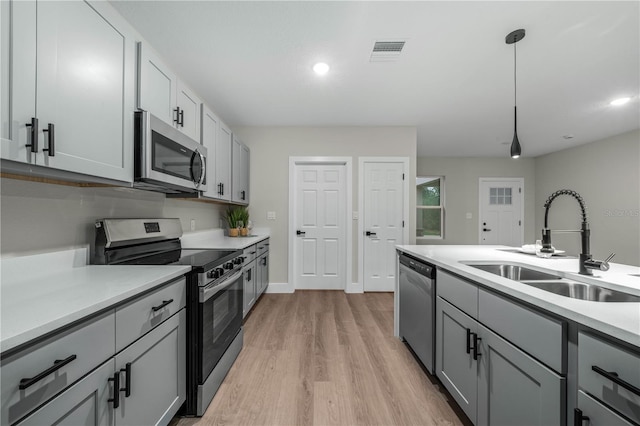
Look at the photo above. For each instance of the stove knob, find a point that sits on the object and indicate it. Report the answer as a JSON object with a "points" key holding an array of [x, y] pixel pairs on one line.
{"points": [[228, 265], [211, 274], [237, 261], [218, 272]]}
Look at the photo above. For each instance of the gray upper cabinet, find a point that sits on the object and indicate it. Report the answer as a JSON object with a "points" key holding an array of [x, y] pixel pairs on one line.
{"points": [[69, 70], [162, 94], [240, 170], [216, 137]]}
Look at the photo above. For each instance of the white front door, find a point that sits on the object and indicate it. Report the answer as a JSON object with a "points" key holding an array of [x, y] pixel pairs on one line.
{"points": [[501, 211], [319, 252], [382, 218]]}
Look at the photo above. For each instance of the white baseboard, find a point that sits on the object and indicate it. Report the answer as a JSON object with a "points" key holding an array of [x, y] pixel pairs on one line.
{"points": [[287, 288], [279, 288], [354, 288]]}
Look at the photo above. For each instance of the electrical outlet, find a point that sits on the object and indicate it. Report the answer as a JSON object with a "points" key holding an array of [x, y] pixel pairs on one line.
{"points": [[469, 216], [193, 224], [271, 215], [355, 216]]}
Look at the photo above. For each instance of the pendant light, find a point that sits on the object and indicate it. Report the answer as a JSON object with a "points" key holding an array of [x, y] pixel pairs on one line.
{"points": [[512, 38]]}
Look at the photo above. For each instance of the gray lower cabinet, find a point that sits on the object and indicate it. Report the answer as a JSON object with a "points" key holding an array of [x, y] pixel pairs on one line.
{"points": [[249, 278], [494, 381], [454, 361], [514, 388], [596, 414], [85, 403], [263, 273], [152, 374]]}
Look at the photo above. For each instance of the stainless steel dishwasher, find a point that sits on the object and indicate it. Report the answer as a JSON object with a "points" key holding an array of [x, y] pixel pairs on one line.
{"points": [[417, 308]]}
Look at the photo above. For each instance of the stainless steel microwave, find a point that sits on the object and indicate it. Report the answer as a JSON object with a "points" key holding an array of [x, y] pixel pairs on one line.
{"points": [[167, 160]]}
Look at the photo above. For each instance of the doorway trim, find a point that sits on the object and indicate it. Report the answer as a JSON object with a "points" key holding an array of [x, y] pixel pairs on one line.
{"points": [[296, 161], [358, 287], [500, 179]]}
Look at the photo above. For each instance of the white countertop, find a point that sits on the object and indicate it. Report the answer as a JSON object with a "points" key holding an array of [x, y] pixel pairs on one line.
{"points": [[215, 239], [621, 320], [41, 293]]}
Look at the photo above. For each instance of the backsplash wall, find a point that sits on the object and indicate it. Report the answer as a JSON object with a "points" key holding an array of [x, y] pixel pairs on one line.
{"points": [[39, 217]]}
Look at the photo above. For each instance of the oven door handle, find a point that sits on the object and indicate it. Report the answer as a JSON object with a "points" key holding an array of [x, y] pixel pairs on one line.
{"points": [[208, 292]]}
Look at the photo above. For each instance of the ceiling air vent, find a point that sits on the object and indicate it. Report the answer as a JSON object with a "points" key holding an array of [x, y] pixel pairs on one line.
{"points": [[386, 50]]}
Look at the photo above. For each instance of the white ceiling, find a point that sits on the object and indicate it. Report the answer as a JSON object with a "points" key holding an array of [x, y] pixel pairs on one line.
{"points": [[251, 62]]}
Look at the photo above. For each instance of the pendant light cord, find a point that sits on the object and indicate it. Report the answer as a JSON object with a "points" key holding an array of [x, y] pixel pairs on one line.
{"points": [[515, 77]]}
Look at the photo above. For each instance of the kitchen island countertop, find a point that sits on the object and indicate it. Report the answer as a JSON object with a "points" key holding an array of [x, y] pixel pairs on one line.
{"points": [[42, 293], [620, 320]]}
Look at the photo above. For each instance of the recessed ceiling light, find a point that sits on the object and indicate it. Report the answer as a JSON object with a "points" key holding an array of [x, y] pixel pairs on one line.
{"points": [[620, 101], [321, 68]]}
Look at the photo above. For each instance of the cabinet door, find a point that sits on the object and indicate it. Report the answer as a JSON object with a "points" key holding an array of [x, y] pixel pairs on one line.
{"points": [[85, 403], [223, 161], [514, 388], [455, 366], [598, 414], [249, 296], [189, 104], [85, 76], [263, 264], [18, 80], [240, 172], [155, 376], [209, 131], [157, 86]]}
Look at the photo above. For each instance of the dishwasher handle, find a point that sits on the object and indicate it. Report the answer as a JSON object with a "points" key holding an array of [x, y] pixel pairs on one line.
{"points": [[419, 266]]}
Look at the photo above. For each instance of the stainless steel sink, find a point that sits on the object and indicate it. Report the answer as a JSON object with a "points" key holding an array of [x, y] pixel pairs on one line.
{"points": [[516, 272], [556, 284], [583, 291]]}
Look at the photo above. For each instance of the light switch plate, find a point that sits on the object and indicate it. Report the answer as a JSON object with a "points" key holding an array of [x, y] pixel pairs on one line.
{"points": [[271, 215], [469, 215], [356, 216]]}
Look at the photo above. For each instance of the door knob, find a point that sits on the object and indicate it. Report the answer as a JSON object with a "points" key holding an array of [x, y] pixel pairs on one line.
{"points": [[486, 229], [299, 232], [370, 234]]}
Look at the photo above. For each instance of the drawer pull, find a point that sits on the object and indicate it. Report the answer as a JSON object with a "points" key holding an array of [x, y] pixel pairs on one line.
{"points": [[127, 380], [468, 340], [578, 418], [57, 364], [116, 389], [476, 346], [613, 376], [162, 305]]}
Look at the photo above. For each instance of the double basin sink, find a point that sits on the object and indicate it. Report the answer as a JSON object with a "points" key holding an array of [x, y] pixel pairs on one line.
{"points": [[556, 284]]}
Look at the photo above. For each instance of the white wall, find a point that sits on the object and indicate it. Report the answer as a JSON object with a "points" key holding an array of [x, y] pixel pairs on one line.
{"points": [[39, 217], [461, 183], [606, 174], [271, 148]]}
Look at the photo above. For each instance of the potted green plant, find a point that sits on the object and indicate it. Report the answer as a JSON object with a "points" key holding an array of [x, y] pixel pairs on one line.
{"points": [[244, 217], [233, 218]]}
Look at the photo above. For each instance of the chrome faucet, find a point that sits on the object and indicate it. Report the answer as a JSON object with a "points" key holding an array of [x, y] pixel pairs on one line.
{"points": [[587, 263]]}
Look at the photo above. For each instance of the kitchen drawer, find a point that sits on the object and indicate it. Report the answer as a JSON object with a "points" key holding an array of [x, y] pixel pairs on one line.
{"points": [[460, 293], [623, 366], [262, 247], [535, 333], [85, 346], [599, 415], [249, 254], [141, 315]]}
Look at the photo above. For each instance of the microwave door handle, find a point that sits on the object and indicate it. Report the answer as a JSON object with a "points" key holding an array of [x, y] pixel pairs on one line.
{"points": [[208, 292], [204, 167]]}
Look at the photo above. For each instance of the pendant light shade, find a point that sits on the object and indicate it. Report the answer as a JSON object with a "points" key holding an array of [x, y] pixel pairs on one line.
{"points": [[512, 38]]}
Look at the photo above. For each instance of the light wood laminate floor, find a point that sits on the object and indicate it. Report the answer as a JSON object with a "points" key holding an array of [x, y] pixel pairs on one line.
{"points": [[325, 358]]}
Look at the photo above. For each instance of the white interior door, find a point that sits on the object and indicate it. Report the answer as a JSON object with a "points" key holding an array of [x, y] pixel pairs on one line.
{"points": [[382, 217], [319, 253], [501, 211]]}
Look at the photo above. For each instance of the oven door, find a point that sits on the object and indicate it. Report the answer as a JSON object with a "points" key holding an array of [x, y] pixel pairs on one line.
{"points": [[166, 156], [220, 319]]}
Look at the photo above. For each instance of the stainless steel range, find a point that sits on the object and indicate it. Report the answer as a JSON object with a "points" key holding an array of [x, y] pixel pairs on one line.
{"points": [[214, 295]]}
